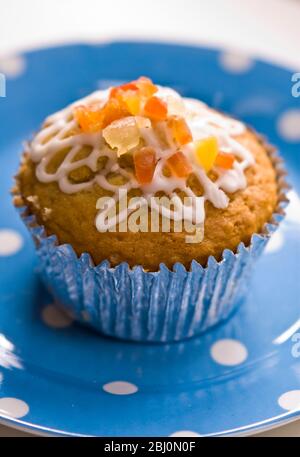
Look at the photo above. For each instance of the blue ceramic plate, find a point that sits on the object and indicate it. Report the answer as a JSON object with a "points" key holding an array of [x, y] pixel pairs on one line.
{"points": [[57, 377]]}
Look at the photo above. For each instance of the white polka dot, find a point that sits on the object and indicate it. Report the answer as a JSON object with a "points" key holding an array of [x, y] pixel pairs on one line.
{"points": [[184, 434], [10, 242], [235, 63], [13, 407], [229, 352], [275, 243], [289, 125], [120, 388], [290, 401], [293, 208], [12, 66], [55, 317]]}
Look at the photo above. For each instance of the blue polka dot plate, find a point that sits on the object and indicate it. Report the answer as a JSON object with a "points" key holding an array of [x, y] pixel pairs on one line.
{"points": [[57, 377]]}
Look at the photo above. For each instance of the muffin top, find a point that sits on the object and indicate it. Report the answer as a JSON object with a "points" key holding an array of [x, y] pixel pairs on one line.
{"points": [[141, 146]]}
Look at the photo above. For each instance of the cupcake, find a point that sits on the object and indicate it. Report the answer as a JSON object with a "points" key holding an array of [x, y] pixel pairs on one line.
{"points": [[148, 210]]}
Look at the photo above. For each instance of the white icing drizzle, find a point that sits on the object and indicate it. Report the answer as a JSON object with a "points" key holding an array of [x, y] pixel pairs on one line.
{"points": [[203, 122]]}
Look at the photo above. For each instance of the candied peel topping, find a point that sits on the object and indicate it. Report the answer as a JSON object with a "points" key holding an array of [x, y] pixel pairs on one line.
{"points": [[130, 107]]}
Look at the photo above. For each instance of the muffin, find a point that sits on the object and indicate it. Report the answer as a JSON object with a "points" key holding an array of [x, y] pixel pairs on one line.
{"points": [[148, 210]]}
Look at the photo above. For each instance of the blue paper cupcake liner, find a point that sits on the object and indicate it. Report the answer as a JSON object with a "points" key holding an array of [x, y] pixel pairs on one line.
{"points": [[161, 306]]}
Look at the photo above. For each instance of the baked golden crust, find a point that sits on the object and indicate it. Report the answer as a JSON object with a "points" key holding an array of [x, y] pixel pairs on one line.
{"points": [[71, 217]]}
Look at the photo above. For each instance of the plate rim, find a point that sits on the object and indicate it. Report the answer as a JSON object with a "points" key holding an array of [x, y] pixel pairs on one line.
{"points": [[247, 430]]}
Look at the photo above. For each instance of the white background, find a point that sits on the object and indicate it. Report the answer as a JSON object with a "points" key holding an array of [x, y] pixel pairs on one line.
{"points": [[263, 28], [268, 28]]}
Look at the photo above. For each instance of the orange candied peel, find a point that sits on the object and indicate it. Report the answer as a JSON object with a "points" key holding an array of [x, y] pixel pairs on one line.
{"points": [[179, 165], [116, 91], [89, 120], [128, 96], [206, 152], [146, 86], [225, 160], [180, 130], [92, 119], [144, 165], [134, 93], [156, 109], [112, 111]]}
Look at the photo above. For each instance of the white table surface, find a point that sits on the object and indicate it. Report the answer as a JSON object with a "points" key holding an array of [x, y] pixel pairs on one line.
{"points": [[267, 29]]}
